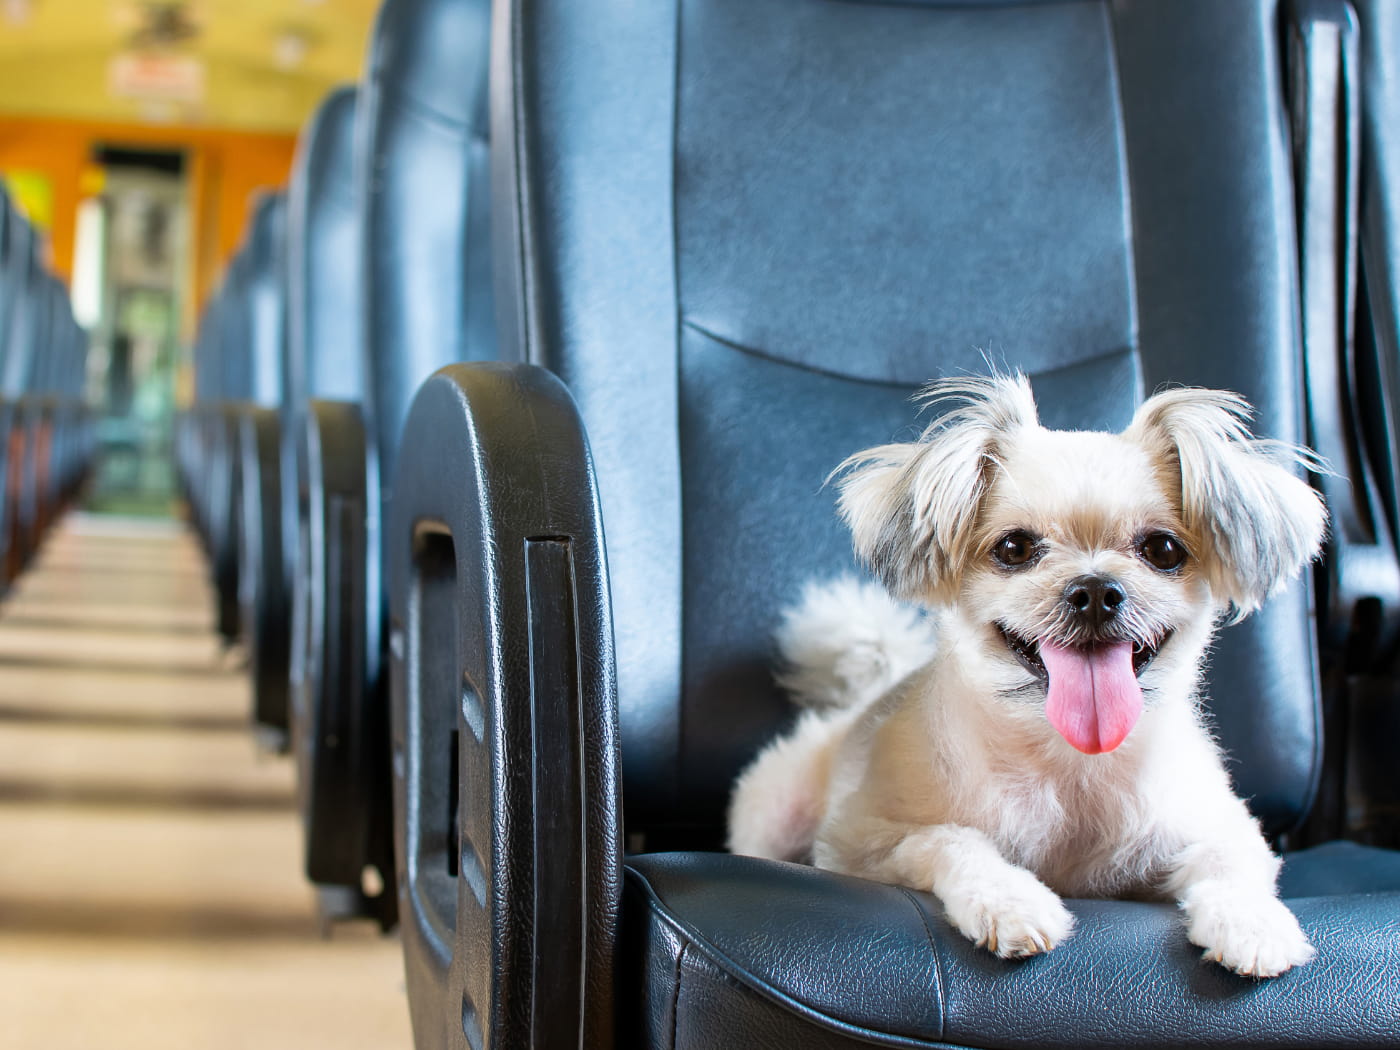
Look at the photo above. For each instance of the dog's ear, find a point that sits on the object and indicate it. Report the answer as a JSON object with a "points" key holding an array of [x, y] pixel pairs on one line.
{"points": [[912, 508], [1257, 522]]}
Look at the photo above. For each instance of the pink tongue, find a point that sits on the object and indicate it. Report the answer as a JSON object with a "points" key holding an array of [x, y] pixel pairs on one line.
{"points": [[1094, 699]]}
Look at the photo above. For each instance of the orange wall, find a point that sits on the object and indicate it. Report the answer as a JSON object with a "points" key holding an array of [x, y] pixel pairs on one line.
{"points": [[224, 169]]}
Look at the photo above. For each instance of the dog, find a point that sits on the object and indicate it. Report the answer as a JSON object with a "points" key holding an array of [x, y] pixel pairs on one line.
{"points": [[1038, 733]]}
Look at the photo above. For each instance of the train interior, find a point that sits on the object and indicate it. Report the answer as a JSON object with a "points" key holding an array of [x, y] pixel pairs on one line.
{"points": [[420, 418]]}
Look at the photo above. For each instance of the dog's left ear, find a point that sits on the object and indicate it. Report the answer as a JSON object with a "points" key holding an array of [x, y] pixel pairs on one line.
{"points": [[912, 507], [1258, 523]]}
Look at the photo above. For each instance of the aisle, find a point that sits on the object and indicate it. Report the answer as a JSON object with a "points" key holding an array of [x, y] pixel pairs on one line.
{"points": [[150, 893]]}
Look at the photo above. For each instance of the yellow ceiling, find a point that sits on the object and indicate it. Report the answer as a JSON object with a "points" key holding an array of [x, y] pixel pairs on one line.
{"points": [[266, 63]]}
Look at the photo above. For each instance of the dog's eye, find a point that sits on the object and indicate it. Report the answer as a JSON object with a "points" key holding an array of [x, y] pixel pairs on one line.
{"points": [[1162, 551], [1015, 549]]}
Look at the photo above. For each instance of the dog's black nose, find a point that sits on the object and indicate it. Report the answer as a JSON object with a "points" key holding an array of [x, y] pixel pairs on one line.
{"points": [[1095, 599]]}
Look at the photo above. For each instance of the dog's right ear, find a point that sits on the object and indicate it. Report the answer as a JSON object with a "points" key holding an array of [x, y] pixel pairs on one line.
{"points": [[912, 508]]}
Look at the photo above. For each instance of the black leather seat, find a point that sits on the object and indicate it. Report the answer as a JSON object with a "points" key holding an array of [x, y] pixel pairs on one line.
{"points": [[15, 248], [426, 301], [1373, 695], [33, 418], [742, 233], [326, 382], [38, 501], [264, 589], [1377, 106], [231, 389], [24, 329], [70, 463], [42, 374], [204, 461]]}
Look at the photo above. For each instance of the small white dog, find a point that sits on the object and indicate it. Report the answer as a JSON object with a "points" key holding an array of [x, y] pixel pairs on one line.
{"points": [[1042, 735]]}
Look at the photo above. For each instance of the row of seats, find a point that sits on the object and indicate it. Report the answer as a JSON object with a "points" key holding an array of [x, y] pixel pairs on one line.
{"points": [[369, 272], [512, 420], [46, 430]]}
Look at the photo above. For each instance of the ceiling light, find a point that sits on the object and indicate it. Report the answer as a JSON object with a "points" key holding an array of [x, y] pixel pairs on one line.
{"points": [[289, 49]]}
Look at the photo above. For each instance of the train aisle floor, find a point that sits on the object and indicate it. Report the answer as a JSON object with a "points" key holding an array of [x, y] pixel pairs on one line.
{"points": [[150, 886]]}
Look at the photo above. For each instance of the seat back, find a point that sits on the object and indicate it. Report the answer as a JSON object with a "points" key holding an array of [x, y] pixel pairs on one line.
{"points": [[234, 344], [48, 361], [744, 232], [266, 291], [23, 273], [9, 247], [1379, 316], [424, 201], [206, 351], [325, 359], [323, 260]]}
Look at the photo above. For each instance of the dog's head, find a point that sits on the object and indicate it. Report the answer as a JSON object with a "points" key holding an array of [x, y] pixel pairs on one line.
{"points": [[1089, 566]]}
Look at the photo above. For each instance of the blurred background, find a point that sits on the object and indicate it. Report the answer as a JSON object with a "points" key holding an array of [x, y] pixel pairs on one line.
{"points": [[150, 888], [219, 578], [134, 136]]}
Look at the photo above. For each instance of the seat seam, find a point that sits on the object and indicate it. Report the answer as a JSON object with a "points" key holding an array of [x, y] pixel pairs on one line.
{"points": [[676, 995], [400, 101], [937, 963], [766, 355], [520, 158]]}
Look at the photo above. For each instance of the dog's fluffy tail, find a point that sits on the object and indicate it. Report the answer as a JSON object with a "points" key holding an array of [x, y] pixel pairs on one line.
{"points": [[846, 642]]}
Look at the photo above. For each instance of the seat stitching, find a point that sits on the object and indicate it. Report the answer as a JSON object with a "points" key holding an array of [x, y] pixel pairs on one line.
{"points": [[937, 963], [676, 995], [767, 355], [803, 366], [401, 102], [518, 194]]}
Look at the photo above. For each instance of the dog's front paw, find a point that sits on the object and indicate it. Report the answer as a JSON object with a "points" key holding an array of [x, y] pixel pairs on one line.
{"points": [[1254, 936], [1012, 914]]}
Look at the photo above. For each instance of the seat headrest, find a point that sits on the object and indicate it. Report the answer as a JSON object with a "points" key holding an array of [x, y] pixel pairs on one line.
{"points": [[420, 50]]}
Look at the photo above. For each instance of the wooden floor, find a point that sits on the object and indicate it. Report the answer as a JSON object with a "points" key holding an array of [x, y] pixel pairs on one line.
{"points": [[150, 886]]}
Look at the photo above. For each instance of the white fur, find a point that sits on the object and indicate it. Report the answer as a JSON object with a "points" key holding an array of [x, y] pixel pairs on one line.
{"points": [[951, 779], [845, 643]]}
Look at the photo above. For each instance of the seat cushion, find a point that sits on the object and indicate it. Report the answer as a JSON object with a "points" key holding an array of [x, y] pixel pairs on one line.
{"points": [[732, 951], [1339, 868]]}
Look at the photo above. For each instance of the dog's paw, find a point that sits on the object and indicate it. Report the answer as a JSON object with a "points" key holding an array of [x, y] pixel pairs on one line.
{"points": [[1253, 936], [1012, 914]]}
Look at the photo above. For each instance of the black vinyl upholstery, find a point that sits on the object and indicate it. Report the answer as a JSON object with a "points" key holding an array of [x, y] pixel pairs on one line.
{"points": [[264, 586], [230, 386], [849, 278], [422, 298], [323, 259], [1379, 321], [1372, 786], [736, 952], [425, 203], [21, 277], [45, 428], [326, 379]]}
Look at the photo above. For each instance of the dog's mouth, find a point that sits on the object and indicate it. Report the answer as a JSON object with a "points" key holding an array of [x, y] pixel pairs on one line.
{"points": [[1027, 651], [1092, 694]]}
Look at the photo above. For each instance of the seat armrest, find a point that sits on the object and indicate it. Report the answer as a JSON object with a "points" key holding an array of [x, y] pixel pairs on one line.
{"points": [[262, 593], [339, 719], [506, 786], [224, 466], [1361, 583]]}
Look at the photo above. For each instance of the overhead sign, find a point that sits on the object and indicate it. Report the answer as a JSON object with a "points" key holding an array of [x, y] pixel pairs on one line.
{"points": [[156, 77]]}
